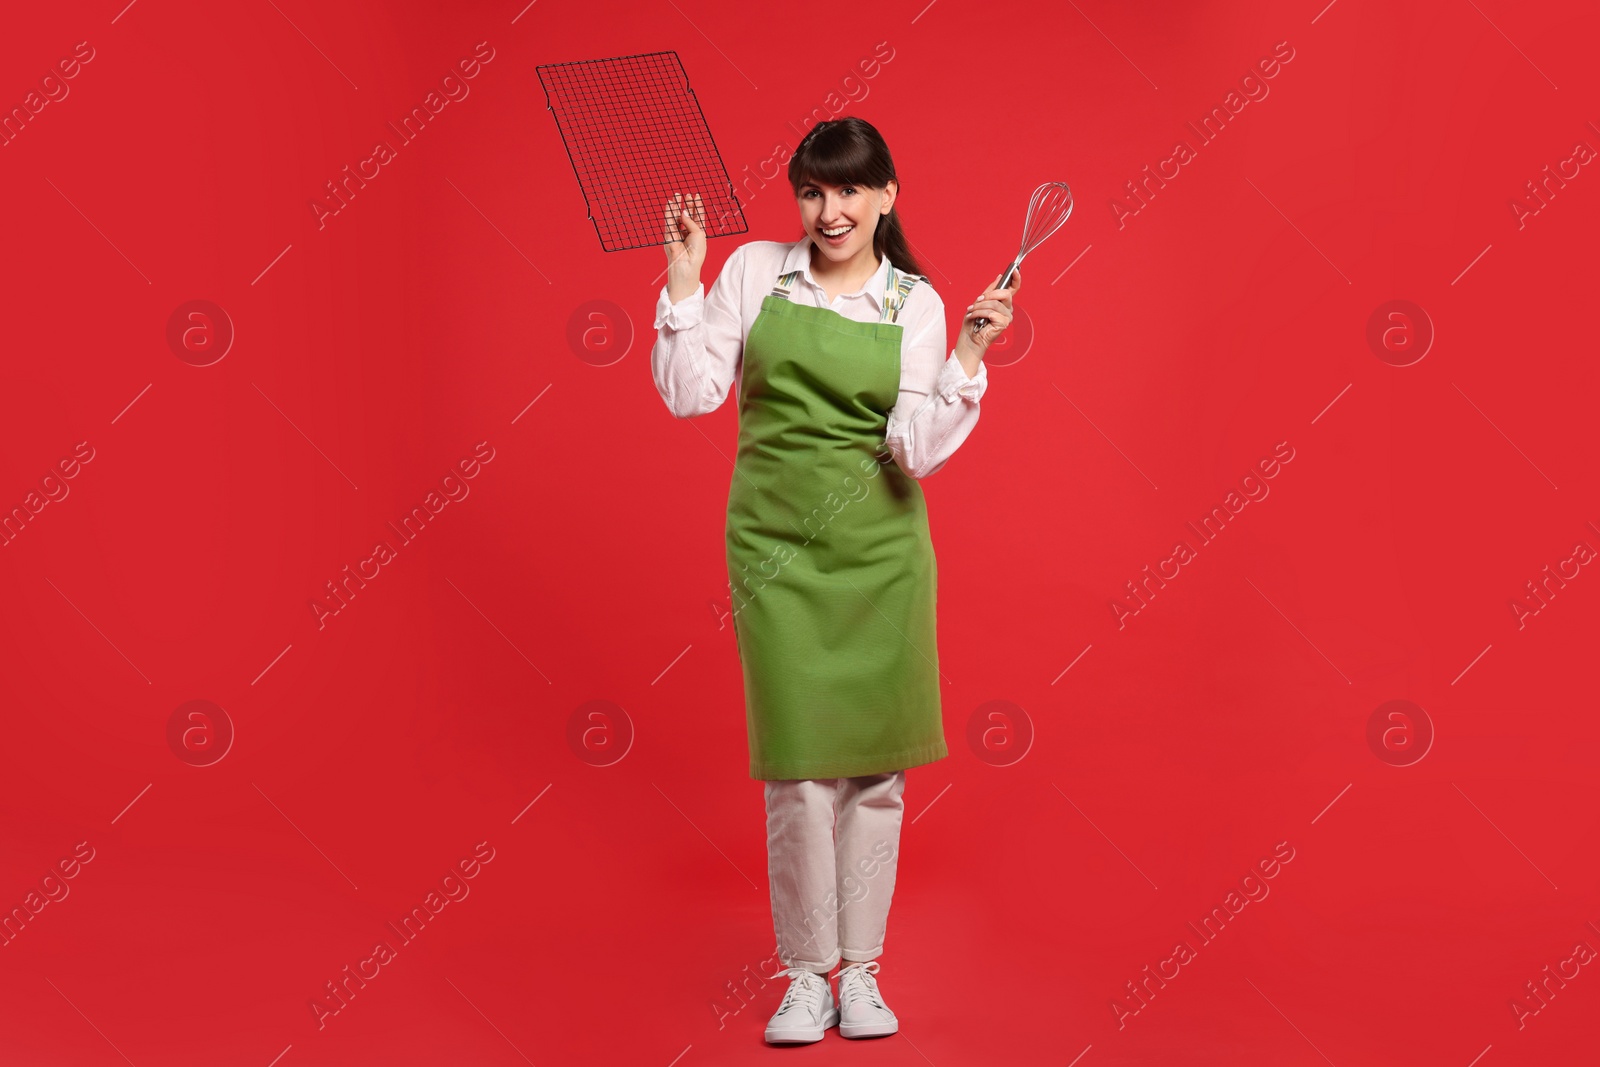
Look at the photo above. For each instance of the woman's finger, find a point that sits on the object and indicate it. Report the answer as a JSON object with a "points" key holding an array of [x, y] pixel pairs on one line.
{"points": [[989, 311], [675, 218], [693, 212]]}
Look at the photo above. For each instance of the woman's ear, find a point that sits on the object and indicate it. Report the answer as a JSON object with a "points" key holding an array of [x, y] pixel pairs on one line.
{"points": [[891, 189]]}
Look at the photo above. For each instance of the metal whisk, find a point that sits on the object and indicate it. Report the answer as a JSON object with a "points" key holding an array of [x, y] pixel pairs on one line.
{"points": [[1047, 210]]}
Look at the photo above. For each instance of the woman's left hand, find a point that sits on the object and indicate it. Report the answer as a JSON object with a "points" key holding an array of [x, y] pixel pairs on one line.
{"points": [[992, 304]]}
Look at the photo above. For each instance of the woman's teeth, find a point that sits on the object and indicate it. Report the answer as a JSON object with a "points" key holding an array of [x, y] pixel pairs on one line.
{"points": [[837, 232]]}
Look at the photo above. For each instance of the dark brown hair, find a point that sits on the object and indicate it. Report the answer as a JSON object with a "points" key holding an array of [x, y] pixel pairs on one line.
{"points": [[850, 151]]}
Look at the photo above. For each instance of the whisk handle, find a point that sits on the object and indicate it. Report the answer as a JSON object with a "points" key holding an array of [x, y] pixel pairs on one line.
{"points": [[1005, 280]]}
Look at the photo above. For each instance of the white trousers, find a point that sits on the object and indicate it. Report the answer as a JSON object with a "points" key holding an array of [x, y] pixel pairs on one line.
{"points": [[833, 847]]}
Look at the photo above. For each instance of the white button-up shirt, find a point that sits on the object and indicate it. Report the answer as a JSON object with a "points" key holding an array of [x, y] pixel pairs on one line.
{"points": [[699, 349]]}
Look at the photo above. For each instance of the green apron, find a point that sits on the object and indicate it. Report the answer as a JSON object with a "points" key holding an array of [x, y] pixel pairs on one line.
{"points": [[830, 563]]}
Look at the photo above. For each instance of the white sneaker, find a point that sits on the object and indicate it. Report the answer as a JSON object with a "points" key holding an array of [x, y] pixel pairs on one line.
{"points": [[862, 1010], [807, 1009]]}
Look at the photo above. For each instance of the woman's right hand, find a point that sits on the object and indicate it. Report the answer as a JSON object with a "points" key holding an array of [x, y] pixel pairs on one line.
{"points": [[685, 238]]}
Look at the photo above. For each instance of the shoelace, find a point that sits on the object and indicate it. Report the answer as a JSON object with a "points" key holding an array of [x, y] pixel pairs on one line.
{"points": [[857, 979], [804, 986]]}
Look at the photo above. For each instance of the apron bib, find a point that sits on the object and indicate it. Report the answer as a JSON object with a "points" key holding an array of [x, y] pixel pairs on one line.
{"points": [[830, 564]]}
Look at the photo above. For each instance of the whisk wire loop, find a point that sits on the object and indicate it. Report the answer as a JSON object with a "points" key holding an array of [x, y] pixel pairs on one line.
{"points": [[1048, 208]]}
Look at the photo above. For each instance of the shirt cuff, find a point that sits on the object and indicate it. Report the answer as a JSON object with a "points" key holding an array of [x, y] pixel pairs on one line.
{"points": [[685, 313], [954, 382]]}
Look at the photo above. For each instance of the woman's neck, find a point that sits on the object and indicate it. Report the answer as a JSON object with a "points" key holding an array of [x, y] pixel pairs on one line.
{"points": [[849, 275]]}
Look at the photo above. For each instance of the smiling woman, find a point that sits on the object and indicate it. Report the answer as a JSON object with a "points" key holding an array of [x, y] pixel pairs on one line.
{"points": [[836, 344]]}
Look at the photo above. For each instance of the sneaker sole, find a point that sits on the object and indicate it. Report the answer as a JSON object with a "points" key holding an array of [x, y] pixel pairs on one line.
{"points": [[803, 1035], [869, 1029]]}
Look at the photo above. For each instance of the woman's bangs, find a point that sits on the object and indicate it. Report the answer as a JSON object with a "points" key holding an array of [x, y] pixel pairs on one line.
{"points": [[846, 165]]}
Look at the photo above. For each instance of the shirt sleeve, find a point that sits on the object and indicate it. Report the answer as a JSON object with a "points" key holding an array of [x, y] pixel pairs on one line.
{"points": [[938, 403], [699, 342]]}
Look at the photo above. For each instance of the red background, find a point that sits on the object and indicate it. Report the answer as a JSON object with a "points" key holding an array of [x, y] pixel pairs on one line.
{"points": [[375, 751]]}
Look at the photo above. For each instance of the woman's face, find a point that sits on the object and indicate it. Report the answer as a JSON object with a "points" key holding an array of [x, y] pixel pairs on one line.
{"points": [[852, 208]]}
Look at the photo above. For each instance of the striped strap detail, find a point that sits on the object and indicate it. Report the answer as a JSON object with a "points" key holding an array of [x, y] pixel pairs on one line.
{"points": [[897, 287], [785, 282], [895, 292]]}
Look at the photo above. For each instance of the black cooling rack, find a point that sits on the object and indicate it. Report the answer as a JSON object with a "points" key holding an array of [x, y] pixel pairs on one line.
{"points": [[635, 135]]}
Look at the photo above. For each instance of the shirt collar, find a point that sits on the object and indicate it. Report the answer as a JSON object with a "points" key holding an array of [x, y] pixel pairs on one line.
{"points": [[799, 258]]}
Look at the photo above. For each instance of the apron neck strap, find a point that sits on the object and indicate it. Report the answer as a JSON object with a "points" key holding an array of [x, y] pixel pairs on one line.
{"points": [[785, 282], [895, 289], [895, 292]]}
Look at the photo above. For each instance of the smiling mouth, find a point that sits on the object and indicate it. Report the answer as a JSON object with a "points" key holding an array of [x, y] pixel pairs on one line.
{"points": [[841, 231]]}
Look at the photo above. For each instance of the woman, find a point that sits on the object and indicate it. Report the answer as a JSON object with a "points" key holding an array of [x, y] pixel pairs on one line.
{"points": [[847, 397]]}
